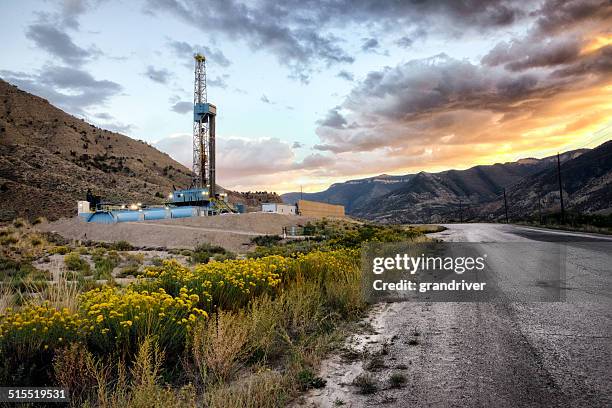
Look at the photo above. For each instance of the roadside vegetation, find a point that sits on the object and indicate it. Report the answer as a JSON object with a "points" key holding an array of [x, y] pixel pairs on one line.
{"points": [[201, 328], [597, 223]]}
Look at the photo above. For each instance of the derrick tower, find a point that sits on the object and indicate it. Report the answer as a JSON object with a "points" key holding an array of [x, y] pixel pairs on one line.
{"points": [[204, 114]]}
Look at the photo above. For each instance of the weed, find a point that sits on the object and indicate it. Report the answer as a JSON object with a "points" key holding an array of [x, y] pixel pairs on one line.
{"points": [[203, 252], [396, 380], [60, 250], [121, 246], [307, 380], [74, 262], [366, 384], [266, 240], [376, 363], [128, 270]]}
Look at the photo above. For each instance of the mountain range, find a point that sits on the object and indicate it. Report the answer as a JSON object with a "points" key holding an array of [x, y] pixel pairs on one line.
{"points": [[477, 193]]}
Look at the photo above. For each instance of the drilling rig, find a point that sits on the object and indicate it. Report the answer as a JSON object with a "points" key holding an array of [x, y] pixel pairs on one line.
{"points": [[202, 192], [204, 114]]}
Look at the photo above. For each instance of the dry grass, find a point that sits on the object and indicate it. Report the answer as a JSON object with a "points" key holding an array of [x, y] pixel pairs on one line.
{"points": [[263, 389], [7, 298], [60, 294], [219, 345]]}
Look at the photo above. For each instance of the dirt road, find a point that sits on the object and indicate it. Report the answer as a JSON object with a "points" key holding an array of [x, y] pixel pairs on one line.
{"points": [[506, 354]]}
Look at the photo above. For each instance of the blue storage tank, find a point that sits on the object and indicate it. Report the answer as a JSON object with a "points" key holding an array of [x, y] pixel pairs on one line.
{"points": [[183, 212], [113, 216], [101, 217]]}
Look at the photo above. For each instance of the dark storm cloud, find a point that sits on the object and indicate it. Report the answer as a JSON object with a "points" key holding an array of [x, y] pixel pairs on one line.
{"points": [[182, 107], [417, 96], [161, 76], [299, 32], [520, 55], [562, 15], [72, 89], [58, 44], [599, 62], [183, 50], [430, 101]]}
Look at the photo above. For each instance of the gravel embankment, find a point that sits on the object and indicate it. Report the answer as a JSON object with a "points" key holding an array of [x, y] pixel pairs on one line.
{"points": [[231, 231]]}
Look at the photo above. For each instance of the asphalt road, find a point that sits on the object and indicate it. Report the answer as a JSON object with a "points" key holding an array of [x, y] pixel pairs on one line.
{"points": [[494, 354]]}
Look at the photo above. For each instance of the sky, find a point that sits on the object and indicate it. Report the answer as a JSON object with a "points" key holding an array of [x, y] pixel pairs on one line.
{"points": [[310, 93]]}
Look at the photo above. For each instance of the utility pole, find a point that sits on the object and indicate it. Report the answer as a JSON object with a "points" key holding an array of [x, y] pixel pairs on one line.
{"points": [[560, 189], [460, 211], [506, 205], [301, 193]]}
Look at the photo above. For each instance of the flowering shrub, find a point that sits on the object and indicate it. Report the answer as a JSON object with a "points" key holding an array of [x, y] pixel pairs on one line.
{"points": [[228, 284], [166, 303], [125, 317], [38, 327]]}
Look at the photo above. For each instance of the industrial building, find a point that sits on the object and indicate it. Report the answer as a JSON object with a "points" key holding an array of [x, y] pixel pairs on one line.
{"points": [[306, 208], [317, 209], [278, 208]]}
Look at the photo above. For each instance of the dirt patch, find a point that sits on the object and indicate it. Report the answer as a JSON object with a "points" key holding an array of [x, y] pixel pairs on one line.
{"points": [[231, 231]]}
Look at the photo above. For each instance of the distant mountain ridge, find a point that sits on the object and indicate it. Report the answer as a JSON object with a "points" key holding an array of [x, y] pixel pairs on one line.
{"points": [[473, 193]]}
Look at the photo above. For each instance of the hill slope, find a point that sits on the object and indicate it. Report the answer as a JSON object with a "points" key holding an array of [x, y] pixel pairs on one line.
{"points": [[48, 160], [587, 187]]}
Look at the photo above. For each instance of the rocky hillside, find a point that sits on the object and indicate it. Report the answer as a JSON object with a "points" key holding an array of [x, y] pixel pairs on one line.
{"points": [[472, 194], [587, 187], [48, 160]]}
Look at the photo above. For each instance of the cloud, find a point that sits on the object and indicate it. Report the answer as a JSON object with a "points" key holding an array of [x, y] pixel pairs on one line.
{"points": [[297, 145], [161, 76], [119, 127], [183, 49], [58, 44], [261, 27], [303, 35], [71, 10], [521, 55], [178, 146], [218, 82], [265, 99], [333, 119], [246, 162], [182, 107], [104, 116], [405, 42], [345, 75], [71, 89], [557, 16], [370, 44], [442, 111]]}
